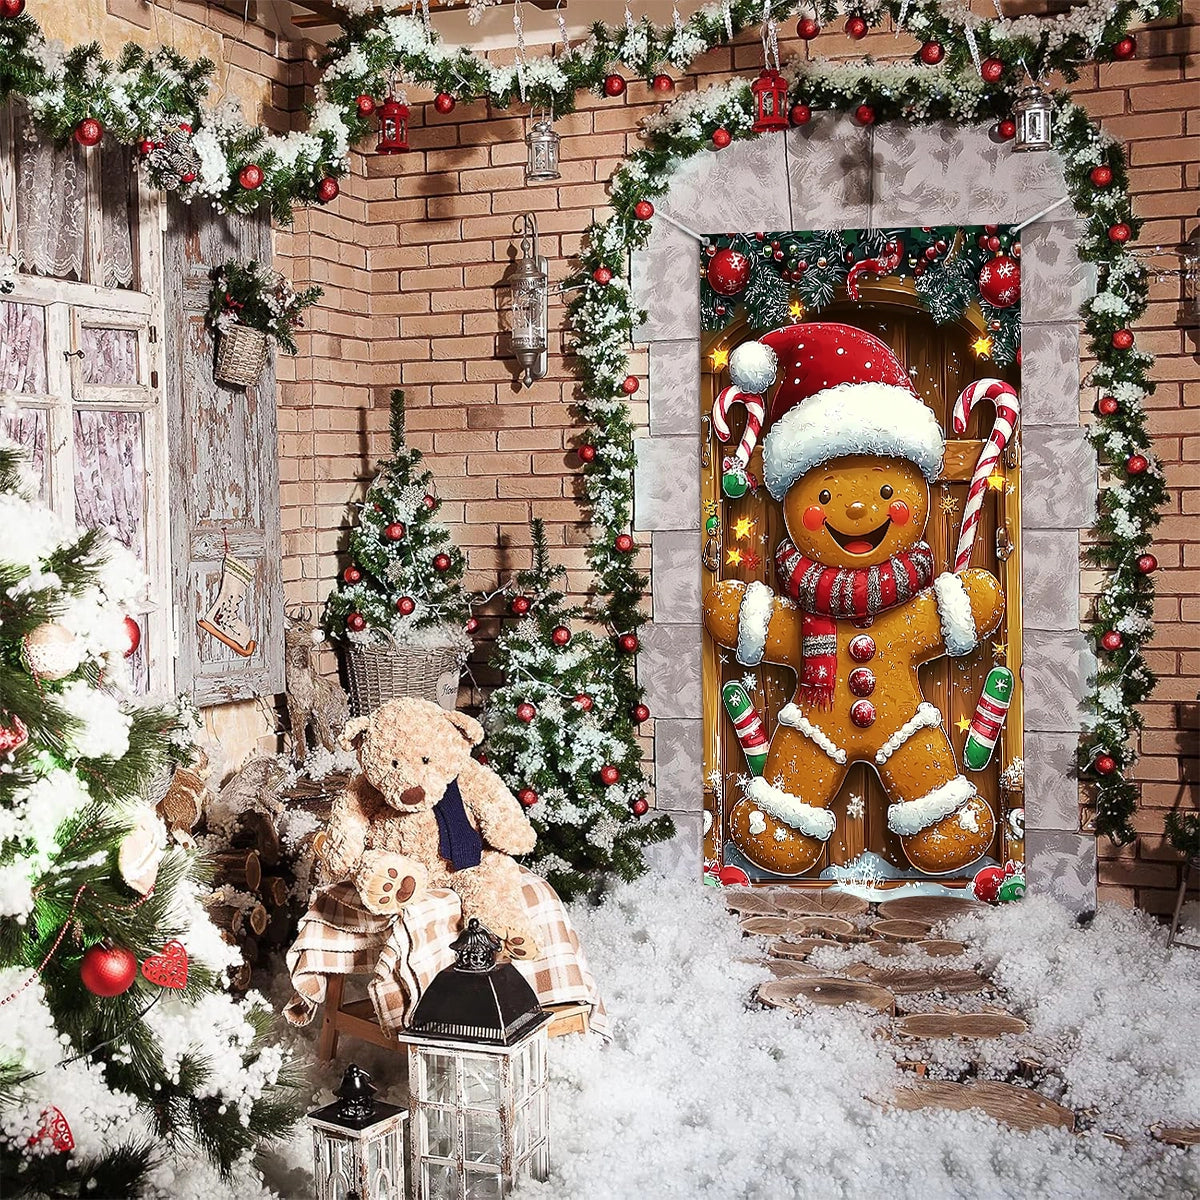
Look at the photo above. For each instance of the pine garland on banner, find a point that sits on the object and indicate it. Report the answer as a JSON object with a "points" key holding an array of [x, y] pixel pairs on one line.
{"points": [[562, 733], [122, 1058]]}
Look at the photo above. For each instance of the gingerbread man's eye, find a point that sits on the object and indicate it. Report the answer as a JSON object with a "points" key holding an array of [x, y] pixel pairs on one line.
{"points": [[825, 497], [886, 491]]}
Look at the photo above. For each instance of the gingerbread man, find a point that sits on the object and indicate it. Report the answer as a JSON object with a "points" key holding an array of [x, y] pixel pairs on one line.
{"points": [[850, 454]]}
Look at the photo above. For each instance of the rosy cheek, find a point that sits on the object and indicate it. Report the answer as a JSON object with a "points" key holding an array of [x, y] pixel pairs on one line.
{"points": [[899, 513], [814, 517]]}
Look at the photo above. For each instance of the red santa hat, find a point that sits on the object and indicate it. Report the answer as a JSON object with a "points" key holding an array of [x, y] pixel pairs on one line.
{"points": [[841, 391]]}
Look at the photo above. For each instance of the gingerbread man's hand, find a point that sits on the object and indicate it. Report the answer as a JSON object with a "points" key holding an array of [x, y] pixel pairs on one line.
{"points": [[387, 882], [753, 620], [953, 616]]}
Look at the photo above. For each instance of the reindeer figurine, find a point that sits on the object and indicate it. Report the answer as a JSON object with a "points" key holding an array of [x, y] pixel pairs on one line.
{"points": [[311, 699]]}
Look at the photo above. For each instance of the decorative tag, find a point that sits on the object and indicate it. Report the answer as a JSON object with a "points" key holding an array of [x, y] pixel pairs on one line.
{"points": [[55, 1130], [169, 968]]}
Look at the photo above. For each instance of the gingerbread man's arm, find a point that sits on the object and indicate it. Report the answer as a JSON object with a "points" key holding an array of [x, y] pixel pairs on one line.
{"points": [[949, 618], [755, 622]]}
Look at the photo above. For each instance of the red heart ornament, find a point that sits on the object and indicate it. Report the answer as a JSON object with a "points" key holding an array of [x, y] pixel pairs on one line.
{"points": [[168, 969], [54, 1128]]}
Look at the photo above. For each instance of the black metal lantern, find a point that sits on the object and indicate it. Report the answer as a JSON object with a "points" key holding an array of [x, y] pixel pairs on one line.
{"points": [[393, 127], [541, 142], [770, 102], [1034, 115], [530, 304]]}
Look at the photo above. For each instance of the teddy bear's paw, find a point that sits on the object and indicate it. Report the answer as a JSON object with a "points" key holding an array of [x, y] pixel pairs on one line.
{"points": [[390, 883], [519, 945]]}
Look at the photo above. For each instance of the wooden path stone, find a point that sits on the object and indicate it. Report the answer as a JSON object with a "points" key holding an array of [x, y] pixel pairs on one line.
{"points": [[928, 908], [748, 902], [1177, 1135], [958, 1025], [940, 948], [833, 927], [913, 982], [811, 902], [1017, 1107], [775, 926], [825, 990], [901, 930], [787, 968], [797, 950]]}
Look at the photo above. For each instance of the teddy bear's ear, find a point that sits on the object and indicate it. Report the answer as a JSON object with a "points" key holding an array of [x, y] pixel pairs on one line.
{"points": [[467, 726], [352, 734]]}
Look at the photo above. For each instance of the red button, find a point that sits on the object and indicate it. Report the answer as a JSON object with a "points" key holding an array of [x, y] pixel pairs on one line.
{"points": [[861, 681], [862, 648], [862, 713]]}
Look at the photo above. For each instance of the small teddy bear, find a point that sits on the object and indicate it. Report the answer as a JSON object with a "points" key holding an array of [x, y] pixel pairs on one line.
{"points": [[424, 814]]}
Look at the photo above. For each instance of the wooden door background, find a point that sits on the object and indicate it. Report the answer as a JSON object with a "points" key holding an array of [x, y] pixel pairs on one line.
{"points": [[944, 364]]}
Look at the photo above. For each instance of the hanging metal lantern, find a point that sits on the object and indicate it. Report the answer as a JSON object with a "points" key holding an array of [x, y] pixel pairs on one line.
{"points": [[1034, 115], [1189, 257], [530, 304], [358, 1144], [477, 1078], [542, 143], [770, 102], [393, 127]]}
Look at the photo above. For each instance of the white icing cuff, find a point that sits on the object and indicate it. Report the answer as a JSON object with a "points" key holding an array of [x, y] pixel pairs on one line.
{"points": [[911, 816], [783, 806], [925, 717], [754, 615], [793, 718], [954, 611]]}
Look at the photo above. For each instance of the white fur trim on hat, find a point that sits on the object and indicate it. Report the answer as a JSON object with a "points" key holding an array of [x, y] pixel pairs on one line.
{"points": [[911, 816], [754, 615], [852, 418], [792, 717], [791, 810], [954, 612]]}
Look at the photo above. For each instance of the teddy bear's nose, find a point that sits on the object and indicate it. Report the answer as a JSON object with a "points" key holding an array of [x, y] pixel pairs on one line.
{"points": [[856, 511]]}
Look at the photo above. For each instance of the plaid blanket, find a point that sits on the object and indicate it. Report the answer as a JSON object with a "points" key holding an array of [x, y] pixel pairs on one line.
{"points": [[401, 954]]}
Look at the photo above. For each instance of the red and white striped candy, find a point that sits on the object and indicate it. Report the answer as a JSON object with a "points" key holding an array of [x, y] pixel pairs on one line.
{"points": [[1008, 413], [756, 414]]}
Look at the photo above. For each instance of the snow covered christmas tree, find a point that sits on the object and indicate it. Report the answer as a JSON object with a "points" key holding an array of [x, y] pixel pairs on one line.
{"points": [[120, 1056], [405, 574], [562, 734]]}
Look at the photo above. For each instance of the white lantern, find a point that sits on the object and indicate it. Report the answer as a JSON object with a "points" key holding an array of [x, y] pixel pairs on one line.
{"points": [[358, 1144], [477, 1078], [542, 144], [530, 304], [1034, 115]]}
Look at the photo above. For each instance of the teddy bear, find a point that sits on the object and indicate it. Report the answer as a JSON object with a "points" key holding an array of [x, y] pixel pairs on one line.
{"points": [[424, 814], [849, 455]]}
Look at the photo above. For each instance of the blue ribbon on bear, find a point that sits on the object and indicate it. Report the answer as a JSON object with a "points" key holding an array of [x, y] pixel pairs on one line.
{"points": [[459, 842]]}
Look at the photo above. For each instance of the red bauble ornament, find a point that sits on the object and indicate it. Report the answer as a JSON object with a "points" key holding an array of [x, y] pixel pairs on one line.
{"points": [[526, 712], [1006, 130], [630, 384], [520, 605], [145, 146], [89, 131], [133, 637], [1101, 176], [1107, 405], [1126, 48], [800, 114], [53, 1127], [441, 562], [1147, 563], [628, 642], [614, 85], [560, 635], [251, 176], [986, 884], [864, 114], [1112, 640], [1000, 281], [444, 103], [808, 28], [365, 105], [856, 28], [1122, 339], [586, 452], [640, 807], [1136, 464], [932, 53], [993, 243], [528, 797], [640, 713], [623, 543], [721, 137], [728, 271], [1104, 764], [992, 70], [352, 575], [472, 624], [609, 775], [356, 621], [1119, 233], [429, 502], [8, 9], [602, 275], [395, 531], [584, 702], [108, 970], [406, 606], [169, 967], [643, 210], [328, 189], [662, 83], [12, 736]]}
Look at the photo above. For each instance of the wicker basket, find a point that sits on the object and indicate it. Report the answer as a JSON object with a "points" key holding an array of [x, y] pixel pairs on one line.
{"points": [[383, 671], [241, 355]]}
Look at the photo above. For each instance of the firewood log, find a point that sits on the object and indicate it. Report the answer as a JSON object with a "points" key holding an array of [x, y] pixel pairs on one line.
{"points": [[239, 868]]}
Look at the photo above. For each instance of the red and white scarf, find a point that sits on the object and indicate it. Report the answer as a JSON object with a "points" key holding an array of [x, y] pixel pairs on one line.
{"points": [[855, 593]]}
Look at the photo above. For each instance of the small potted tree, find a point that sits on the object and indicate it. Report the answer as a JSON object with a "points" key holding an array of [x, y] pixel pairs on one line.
{"points": [[399, 610], [249, 307]]}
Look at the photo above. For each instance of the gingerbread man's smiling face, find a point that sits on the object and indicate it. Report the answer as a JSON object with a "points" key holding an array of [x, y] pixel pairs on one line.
{"points": [[857, 510]]}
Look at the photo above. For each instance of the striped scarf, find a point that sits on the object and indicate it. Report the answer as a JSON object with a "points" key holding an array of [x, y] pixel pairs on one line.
{"points": [[827, 593]]}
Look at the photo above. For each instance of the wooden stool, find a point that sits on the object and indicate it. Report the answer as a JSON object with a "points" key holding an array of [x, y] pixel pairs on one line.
{"points": [[356, 1018]]}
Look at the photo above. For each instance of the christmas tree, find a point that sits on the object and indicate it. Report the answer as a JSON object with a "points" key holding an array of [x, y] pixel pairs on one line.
{"points": [[562, 734], [405, 574], [124, 1068]]}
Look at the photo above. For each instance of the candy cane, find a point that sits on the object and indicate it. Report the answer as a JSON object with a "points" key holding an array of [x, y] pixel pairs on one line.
{"points": [[756, 414], [1008, 413], [885, 264]]}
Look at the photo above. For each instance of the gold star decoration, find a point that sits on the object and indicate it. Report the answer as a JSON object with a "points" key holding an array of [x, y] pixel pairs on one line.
{"points": [[733, 558], [710, 508], [996, 480], [963, 723], [742, 528], [999, 649], [982, 346], [796, 310], [948, 504], [720, 358]]}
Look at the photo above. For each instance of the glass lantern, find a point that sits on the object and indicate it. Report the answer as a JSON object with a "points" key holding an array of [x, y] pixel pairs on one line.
{"points": [[358, 1144], [1034, 115], [530, 305], [770, 102], [1189, 257], [542, 144], [393, 127], [477, 1078]]}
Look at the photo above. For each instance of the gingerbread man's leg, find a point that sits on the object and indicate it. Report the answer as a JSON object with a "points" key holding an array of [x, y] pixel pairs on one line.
{"points": [[944, 823], [783, 822]]}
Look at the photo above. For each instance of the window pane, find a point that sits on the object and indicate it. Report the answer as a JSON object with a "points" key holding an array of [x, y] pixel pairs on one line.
{"points": [[22, 348], [483, 1137], [27, 427], [110, 356]]}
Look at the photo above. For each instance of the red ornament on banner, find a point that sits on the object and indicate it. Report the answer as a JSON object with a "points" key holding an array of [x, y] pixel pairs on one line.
{"points": [[856, 28], [640, 713], [643, 210], [1104, 764], [107, 970], [1000, 281], [609, 775], [352, 575], [584, 702], [623, 543], [520, 605], [526, 712], [365, 105], [721, 137], [808, 28], [662, 83], [800, 114], [986, 884], [251, 176], [356, 622], [1119, 233], [328, 189], [11, 8], [1101, 176], [444, 103], [395, 531], [1006, 130], [614, 85], [1126, 48], [441, 562], [628, 642], [640, 807], [13, 734], [169, 967], [728, 271], [1147, 563], [53, 1127], [1107, 405], [992, 70], [1122, 339], [528, 797], [560, 635], [133, 637], [1137, 464], [602, 275], [586, 452], [932, 53], [864, 114], [733, 877], [630, 384], [1112, 640], [406, 606], [89, 131]]}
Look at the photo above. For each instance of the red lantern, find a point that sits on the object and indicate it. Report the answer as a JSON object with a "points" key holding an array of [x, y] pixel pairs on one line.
{"points": [[352, 574], [89, 131], [444, 103], [770, 101], [609, 775], [328, 189], [393, 127], [721, 138], [662, 83], [133, 637], [406, 606], [801, 114], [856, 28]]}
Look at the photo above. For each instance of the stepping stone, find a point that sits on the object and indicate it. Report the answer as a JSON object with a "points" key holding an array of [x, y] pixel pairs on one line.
{"points": [[901, 930], [834, 927], [1017, 1107], [797, 950], [825, 990], [1177, 1135], [749, 902], [958, 1025], [914, 982], [940, 948], [889, 949], [786, 968], [929, 908], [819, 902], [775, 926]]}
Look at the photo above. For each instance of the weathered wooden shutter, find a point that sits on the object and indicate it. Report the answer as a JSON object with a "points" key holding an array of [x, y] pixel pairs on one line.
{"points": [[224, 467]]}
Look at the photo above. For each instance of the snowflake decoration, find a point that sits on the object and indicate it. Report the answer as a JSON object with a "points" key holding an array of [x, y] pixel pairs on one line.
{"points": [[948, 504], [856, 807], [750, 683]]}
